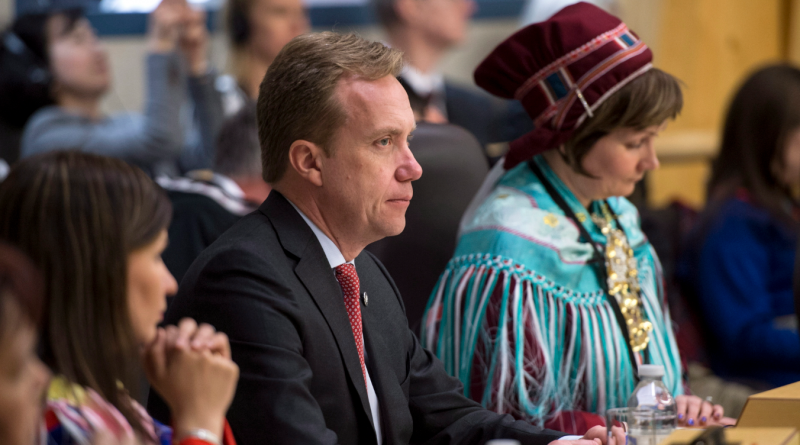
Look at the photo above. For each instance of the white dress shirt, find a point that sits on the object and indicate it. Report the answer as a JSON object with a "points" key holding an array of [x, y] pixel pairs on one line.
{"points": [[335, 258]]}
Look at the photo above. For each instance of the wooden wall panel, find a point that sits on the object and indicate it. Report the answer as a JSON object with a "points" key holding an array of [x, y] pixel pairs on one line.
{"points": [[711, 45]]}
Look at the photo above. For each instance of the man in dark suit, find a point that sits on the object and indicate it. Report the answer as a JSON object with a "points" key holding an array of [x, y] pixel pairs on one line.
{"points": [[425, 30], [316, 324]]}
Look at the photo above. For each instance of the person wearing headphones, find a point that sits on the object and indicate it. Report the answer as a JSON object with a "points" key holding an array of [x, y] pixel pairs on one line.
{"points": [[59, 74], [257, 31]]}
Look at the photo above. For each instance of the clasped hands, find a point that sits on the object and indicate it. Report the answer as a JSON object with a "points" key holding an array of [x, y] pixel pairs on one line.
{"points": [[190, 366]]}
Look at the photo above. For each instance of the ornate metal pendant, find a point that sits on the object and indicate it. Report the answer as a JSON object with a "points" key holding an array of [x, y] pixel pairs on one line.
{"points": [[623, 281]]}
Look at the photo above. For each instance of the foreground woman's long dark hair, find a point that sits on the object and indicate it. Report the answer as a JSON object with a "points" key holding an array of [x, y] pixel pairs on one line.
{"points": [[75, 215]]}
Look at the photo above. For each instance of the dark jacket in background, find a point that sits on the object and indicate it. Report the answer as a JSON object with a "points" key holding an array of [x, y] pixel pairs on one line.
{"points": [[488, 118], [197, 222], [203, 207]]}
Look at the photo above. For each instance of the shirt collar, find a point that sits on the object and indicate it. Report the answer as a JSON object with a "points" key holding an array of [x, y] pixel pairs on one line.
{"points": [[334, 255], [423, 83], [227, 184]]}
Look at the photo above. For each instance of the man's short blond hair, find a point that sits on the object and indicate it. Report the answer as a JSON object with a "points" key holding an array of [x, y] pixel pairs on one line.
{"points": [[297, 100]]}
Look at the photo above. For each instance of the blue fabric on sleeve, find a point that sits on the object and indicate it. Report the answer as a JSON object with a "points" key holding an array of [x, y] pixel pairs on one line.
{"points": [[743, 283]]}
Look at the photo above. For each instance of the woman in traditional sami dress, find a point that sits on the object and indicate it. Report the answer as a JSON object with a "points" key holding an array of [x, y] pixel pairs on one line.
{"points": [[554, 295]]}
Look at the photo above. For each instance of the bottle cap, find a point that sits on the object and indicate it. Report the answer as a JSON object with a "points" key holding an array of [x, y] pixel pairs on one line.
{"points": [[651, 371]]}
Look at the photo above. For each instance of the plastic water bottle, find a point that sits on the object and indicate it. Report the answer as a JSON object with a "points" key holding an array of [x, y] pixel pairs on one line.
{"points": [[651, 394]]}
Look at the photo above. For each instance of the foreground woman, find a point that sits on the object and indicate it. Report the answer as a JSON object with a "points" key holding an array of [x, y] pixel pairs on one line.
{"points": [[96, 228], [554, 295]]}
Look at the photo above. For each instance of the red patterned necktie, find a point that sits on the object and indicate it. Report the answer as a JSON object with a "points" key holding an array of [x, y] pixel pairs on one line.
{"points": [[348, 280]]}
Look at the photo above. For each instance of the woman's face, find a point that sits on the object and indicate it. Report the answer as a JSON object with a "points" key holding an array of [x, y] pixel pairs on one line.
{"points": [[23, 380], [618, 161], [78, 61], [149, 283], [789, 173], [273, 23]]}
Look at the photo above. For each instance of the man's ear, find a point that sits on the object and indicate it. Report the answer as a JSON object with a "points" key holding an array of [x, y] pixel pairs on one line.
{"points": [[305, 158], [406, 11]]}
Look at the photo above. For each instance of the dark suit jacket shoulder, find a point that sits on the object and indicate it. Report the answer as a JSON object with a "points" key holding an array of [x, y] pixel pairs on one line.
{"points": [[488, 118], [267, 284]]}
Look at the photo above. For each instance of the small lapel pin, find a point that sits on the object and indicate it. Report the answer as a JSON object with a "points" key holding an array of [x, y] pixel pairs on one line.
{"points": [[366, 299]]}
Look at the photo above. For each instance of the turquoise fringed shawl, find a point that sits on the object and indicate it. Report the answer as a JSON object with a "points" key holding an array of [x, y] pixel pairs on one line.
{"points": [[520, 315]]}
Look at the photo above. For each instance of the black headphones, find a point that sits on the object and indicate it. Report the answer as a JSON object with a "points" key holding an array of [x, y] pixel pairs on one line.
{"points": [[25, 81], [238, 22], [36, 70]]}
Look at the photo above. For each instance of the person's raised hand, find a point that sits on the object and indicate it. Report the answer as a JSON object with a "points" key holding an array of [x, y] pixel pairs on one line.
{"points": [[166, 24], [194, 41], [190, 367], [692, 411]]}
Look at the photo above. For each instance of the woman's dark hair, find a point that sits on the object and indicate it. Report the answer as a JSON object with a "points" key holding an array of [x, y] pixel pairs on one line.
{"points": [[761, 117], [25, 80], [21, 285], [78, 216], [648, 100]]}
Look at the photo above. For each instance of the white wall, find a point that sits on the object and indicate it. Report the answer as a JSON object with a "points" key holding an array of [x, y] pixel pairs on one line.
{"points": [[6, 12], [127, 54]]}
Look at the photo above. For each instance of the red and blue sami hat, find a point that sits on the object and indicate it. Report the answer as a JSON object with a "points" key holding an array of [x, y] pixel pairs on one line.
{"points": [[561, 70]]}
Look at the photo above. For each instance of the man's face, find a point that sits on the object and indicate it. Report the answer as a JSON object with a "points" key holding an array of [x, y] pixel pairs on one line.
{"points": [[367, 180], [445, 22], [77, 59]]}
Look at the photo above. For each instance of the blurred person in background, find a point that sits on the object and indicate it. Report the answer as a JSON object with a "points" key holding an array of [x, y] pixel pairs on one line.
{"points": [[63, 74], [425, 30], [528, 312], [540, 10], [207, 202], [257, 31], [738, 266], [96, 226], [23, 377], [422, 108]]}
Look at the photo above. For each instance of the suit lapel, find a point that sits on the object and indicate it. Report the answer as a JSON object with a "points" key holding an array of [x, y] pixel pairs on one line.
{"points": [[314, 271]]}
